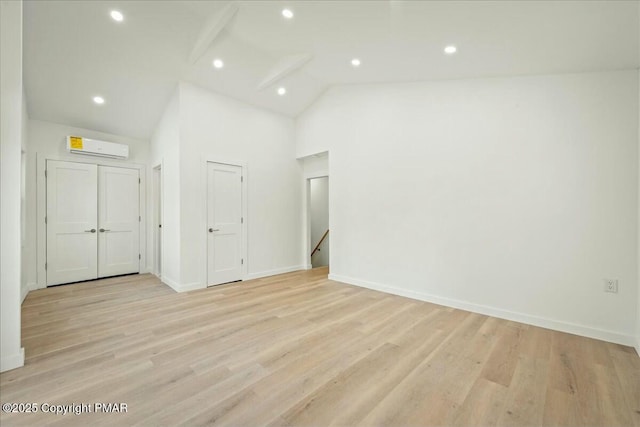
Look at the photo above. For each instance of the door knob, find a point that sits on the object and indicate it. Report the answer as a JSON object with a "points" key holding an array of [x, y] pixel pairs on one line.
{"points": [[211, 230], [102, 230], [93, 230]]}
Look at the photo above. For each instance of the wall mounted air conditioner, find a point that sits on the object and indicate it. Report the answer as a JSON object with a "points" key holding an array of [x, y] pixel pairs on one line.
{"points": [[93, 147]]}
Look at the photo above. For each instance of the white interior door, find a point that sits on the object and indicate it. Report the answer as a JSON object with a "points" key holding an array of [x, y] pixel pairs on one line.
{"points": [[71, 222], [224, 219], [118, 221]]}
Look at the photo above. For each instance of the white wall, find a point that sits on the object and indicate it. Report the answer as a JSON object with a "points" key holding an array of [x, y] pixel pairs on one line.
{"points": [[11, 123], [319, 190], [27, 234], [217, 128], [514, 197], [48, 141], [316, 165], [638, 241], [165, 151]]}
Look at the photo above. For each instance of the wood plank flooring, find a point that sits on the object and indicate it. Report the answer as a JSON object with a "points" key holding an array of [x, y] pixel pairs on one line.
{"points": [[301, 350]]}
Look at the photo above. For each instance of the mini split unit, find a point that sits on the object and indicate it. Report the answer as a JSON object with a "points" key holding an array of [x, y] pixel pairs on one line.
{"points": [[93, 147]]}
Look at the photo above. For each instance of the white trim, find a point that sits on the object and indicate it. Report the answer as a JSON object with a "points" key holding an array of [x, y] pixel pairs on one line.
{"points": [[306, 212], [171, 283], [192, 287], [182, 288], [274, 272], [25, 290], [638, 345], [558, 325], [308, 267], [35, 287], [12, 362], [196, 285], [306, 220], [306, 208], [153, 268]]}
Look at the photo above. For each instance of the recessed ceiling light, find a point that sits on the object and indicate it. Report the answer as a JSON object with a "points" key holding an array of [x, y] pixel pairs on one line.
{"points": [[287, 13], [449, 50], [218, 63], [355, 62], [282, 91], [117, 15], [98, 100]]}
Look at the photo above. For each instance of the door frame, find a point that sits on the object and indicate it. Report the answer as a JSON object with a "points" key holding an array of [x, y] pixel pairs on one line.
{"points": [[157, 208], [307, 217], [41, 207], [307, 176], [244, 239]]}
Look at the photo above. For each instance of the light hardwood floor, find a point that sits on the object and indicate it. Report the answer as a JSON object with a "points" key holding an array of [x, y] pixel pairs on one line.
{"points": [[298, 349]]}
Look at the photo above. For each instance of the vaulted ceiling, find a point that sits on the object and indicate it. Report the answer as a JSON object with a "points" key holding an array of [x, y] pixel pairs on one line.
{"points": [[74, 50]]}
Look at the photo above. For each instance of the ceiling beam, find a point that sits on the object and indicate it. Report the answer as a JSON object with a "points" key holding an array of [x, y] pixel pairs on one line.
{"points": [[283, 68], [211, 29]]}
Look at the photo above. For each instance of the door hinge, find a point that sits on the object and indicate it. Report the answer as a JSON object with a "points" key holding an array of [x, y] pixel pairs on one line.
{"points": [[45, 265], [242, 179], [139, 180], [241, 220], [242, 261], [45, 173], [139, 218], [139, 256], [45, 219]]}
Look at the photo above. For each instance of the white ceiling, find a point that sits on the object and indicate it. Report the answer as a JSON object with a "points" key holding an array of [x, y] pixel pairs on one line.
{"points": [[73, 50]]}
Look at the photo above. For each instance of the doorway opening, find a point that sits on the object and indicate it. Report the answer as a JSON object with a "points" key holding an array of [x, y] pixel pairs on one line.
{"points": [[157, 220], [318, 191]]}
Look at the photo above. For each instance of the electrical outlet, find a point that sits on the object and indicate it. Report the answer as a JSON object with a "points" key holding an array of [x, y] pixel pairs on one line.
{"points": [[611, 285]]}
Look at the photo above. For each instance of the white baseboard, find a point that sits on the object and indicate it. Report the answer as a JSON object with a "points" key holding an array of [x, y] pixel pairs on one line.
{"points": [[181, 288], [308, 267], [171, 283], [572, 328], [12, 361], [268, 273], [192, 286], [25, 291], [197, 285]]}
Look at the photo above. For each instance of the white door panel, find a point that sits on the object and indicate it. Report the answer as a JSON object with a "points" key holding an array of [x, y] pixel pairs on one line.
{"points": [[71, 217], [92, 221], [224, 214], [118, 220]]}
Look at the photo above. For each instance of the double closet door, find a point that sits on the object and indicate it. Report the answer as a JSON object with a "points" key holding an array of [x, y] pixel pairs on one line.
{"points": [[93, 222]]}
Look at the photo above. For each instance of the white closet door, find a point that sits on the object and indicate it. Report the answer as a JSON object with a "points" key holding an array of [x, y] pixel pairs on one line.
{"points": [[224, 217], [118, 221], [71, 222]]}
